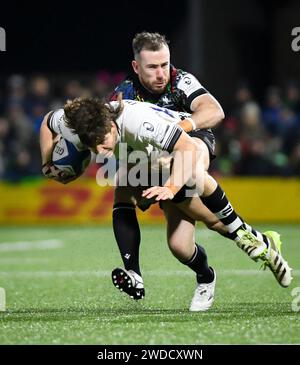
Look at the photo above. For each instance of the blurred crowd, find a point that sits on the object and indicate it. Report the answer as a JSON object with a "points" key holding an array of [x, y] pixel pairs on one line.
{"points": [[23, 104], [255, 139], [261, 139]]}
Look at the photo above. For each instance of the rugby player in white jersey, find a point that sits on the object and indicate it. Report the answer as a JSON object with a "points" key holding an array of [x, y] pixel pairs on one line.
{"points": [[145, 127]]}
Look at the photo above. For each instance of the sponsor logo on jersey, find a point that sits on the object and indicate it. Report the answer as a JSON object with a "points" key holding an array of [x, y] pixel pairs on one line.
{"points": [[59, 150], [187, 80], [148, 126], [189, 84]]}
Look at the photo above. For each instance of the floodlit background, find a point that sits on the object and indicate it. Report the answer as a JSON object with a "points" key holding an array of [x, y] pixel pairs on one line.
{"points": [[242, 52]]}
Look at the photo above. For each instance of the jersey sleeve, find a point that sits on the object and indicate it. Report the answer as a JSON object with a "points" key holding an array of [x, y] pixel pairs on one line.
{"points": [[49, 121], [190, 87], [158, 127], [166, 136], [56, 122]]}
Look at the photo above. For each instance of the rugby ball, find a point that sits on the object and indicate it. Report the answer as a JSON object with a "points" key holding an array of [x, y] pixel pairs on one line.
{"points": [[67, 157]]}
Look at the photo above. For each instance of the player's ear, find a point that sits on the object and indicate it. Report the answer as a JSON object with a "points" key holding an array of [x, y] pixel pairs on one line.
{"points": [[135, 66]]}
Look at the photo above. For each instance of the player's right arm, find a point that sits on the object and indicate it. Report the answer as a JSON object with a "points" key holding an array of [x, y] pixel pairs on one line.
{"points": [[48, 138]]}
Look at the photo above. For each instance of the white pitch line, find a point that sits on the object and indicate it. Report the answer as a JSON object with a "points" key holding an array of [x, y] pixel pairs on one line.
{"points": [[100, 274], [23, 261], [30, 245]]}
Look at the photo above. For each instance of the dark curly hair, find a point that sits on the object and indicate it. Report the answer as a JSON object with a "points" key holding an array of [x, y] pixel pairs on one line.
{"points": [[90, 118], [148, 41]]}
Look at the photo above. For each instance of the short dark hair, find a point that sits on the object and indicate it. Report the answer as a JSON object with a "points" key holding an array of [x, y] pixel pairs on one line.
{"points": [[148, 41], [90, 118]]}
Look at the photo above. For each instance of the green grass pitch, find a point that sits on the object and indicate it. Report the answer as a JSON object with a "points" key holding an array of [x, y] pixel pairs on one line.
{"points": [[59, 291]]}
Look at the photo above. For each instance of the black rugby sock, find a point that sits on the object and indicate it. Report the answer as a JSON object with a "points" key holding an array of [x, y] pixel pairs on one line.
{"points": [[127, 234], [199, 264], [218, 203]]}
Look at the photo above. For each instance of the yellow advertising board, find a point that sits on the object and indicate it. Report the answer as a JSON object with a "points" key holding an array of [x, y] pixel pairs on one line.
{"points": [[84, 202], [48, 202]]}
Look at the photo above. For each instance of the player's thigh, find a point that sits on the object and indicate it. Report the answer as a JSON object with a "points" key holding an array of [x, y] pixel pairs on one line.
{"points": [[202, 147], [196, 210], [124, 193], [180, 231]]}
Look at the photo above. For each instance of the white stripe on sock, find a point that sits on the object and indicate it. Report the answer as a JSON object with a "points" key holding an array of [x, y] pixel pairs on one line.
{"points": [[234, 225], [225, 212], [123, 208]]}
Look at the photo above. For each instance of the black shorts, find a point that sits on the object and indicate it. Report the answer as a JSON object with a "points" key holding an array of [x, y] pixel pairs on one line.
{"points": [[207, 136]]}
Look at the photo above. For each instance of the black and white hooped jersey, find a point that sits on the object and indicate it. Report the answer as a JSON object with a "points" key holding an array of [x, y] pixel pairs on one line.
{"points": [[179, 95]]}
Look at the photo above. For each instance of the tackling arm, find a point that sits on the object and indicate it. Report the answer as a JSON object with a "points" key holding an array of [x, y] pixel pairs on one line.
{"points": [[207, 113]]}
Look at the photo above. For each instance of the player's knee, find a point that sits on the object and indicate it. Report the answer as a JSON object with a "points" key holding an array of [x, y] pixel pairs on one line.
{"points": [[174, 245], [180, 248]]}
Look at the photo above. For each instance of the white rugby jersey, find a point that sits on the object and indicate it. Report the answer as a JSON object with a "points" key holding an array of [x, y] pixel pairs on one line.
{"points": [[57, 123], [143, 126], [147, 127]]}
